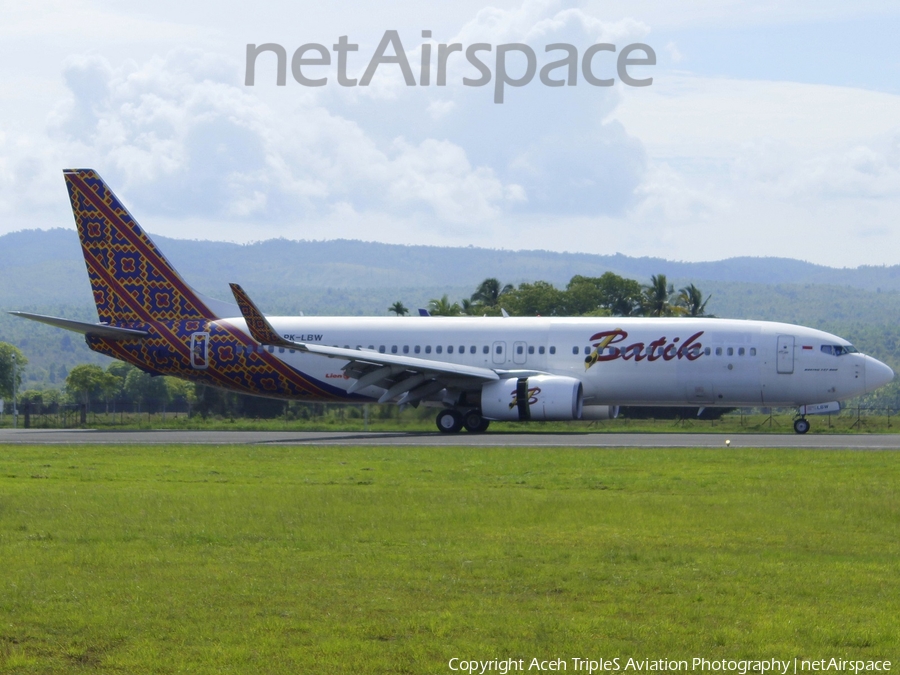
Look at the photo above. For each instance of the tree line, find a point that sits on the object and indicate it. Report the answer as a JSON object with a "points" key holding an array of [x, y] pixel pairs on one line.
{"points": [[606, 295]]}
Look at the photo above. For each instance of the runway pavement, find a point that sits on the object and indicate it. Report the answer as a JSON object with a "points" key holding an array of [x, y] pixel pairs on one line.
{"points": [[536, 439]]}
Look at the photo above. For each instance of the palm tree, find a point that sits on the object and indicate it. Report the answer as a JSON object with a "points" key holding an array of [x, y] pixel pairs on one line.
{"points": [[443, 307], [489, 291], [658, 297], [467, 307], [399, 309], [690, 298]]}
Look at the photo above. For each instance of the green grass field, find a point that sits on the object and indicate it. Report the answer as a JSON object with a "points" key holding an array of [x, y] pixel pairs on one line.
{"points": [[280, 559]]}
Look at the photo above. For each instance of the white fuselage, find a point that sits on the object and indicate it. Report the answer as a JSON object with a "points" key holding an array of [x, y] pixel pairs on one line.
{"points": [[620, 361]]}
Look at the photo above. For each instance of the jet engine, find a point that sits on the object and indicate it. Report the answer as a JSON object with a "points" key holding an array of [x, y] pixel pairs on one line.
{"points": [[600, 412], [539, 398]]}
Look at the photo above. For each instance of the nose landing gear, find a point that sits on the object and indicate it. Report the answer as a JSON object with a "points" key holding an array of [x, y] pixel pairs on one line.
{"points": [[801, 425]]}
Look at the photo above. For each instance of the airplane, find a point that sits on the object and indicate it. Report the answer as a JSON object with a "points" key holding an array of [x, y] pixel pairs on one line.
{"points": [[473, 369]]}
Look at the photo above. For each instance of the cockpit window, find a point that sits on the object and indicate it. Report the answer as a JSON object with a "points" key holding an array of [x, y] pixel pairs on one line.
{"points": [[839, 350]]}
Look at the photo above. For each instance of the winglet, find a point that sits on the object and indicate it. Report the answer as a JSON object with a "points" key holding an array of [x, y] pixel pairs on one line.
{"points": [[260, 328]]}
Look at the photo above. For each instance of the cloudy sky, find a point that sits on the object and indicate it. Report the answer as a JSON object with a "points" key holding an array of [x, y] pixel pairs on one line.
{"points": [[770, 128]]}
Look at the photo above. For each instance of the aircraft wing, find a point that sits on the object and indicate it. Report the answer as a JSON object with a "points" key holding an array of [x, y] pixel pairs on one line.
{"points": [[99, 329], [411, 377]]}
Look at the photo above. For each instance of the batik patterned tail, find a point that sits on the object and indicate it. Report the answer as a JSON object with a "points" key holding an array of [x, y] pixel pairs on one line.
{"points": [[131, 279]]}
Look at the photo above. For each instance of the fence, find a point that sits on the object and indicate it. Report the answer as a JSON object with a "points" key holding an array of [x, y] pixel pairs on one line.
{"points": [[857, 418], [74, 416]]}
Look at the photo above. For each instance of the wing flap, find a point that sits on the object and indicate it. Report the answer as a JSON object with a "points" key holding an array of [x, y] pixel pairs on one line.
{"points": [[262, 332]]}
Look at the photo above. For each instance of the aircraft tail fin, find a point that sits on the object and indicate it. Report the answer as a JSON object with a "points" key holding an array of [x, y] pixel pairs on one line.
{"points": [[131, 279]]}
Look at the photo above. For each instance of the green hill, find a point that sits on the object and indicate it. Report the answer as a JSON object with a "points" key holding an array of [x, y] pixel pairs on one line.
{"points": [[43, 271]]}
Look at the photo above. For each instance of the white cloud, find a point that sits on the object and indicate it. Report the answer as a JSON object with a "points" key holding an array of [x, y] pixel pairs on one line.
{"points": [[738, 13], [765, 168], [439, 109], [438, 173], [674, 53], [182, 138], [690, 168]]}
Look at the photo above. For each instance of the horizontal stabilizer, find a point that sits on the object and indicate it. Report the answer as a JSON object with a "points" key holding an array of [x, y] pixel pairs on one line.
{"points": [[99, 329]]}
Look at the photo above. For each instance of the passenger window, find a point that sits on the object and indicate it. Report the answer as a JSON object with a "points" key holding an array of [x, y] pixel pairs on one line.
{"points": [[381, 349], [730, 351], [418, 349], [741, 351], [370, 347], [587, 351], [520, 349], [540, 350], [752, 351], [393, 349], [449, 349], [707, 351], [472, 349], [271, 350], [530, 349], [718, 351], [281, 350], [485, 350], [406, 349], [291, 351], [427, 349], [552, 350], [438, 349], [574, 350], [499, 349]]}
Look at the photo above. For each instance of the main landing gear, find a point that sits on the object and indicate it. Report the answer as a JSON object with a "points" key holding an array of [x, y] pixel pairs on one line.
{"points": [[801, 425], [450, 421]]}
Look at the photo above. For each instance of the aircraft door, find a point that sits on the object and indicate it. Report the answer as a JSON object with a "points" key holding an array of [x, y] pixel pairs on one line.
{"points": [[519, 352], [200, 351], [499, 352], [785, 354]]}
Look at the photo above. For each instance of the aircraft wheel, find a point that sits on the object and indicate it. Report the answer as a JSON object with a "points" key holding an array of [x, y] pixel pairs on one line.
{"points": [[801, 426], [449, 421], [474, 422]]}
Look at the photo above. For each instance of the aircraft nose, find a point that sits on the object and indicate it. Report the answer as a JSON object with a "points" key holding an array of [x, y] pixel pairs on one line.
{"points": [[878, 374]]}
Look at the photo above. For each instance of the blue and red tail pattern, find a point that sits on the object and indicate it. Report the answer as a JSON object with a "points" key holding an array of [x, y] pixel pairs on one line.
{"points": [[135, 286], [131, 279]]}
